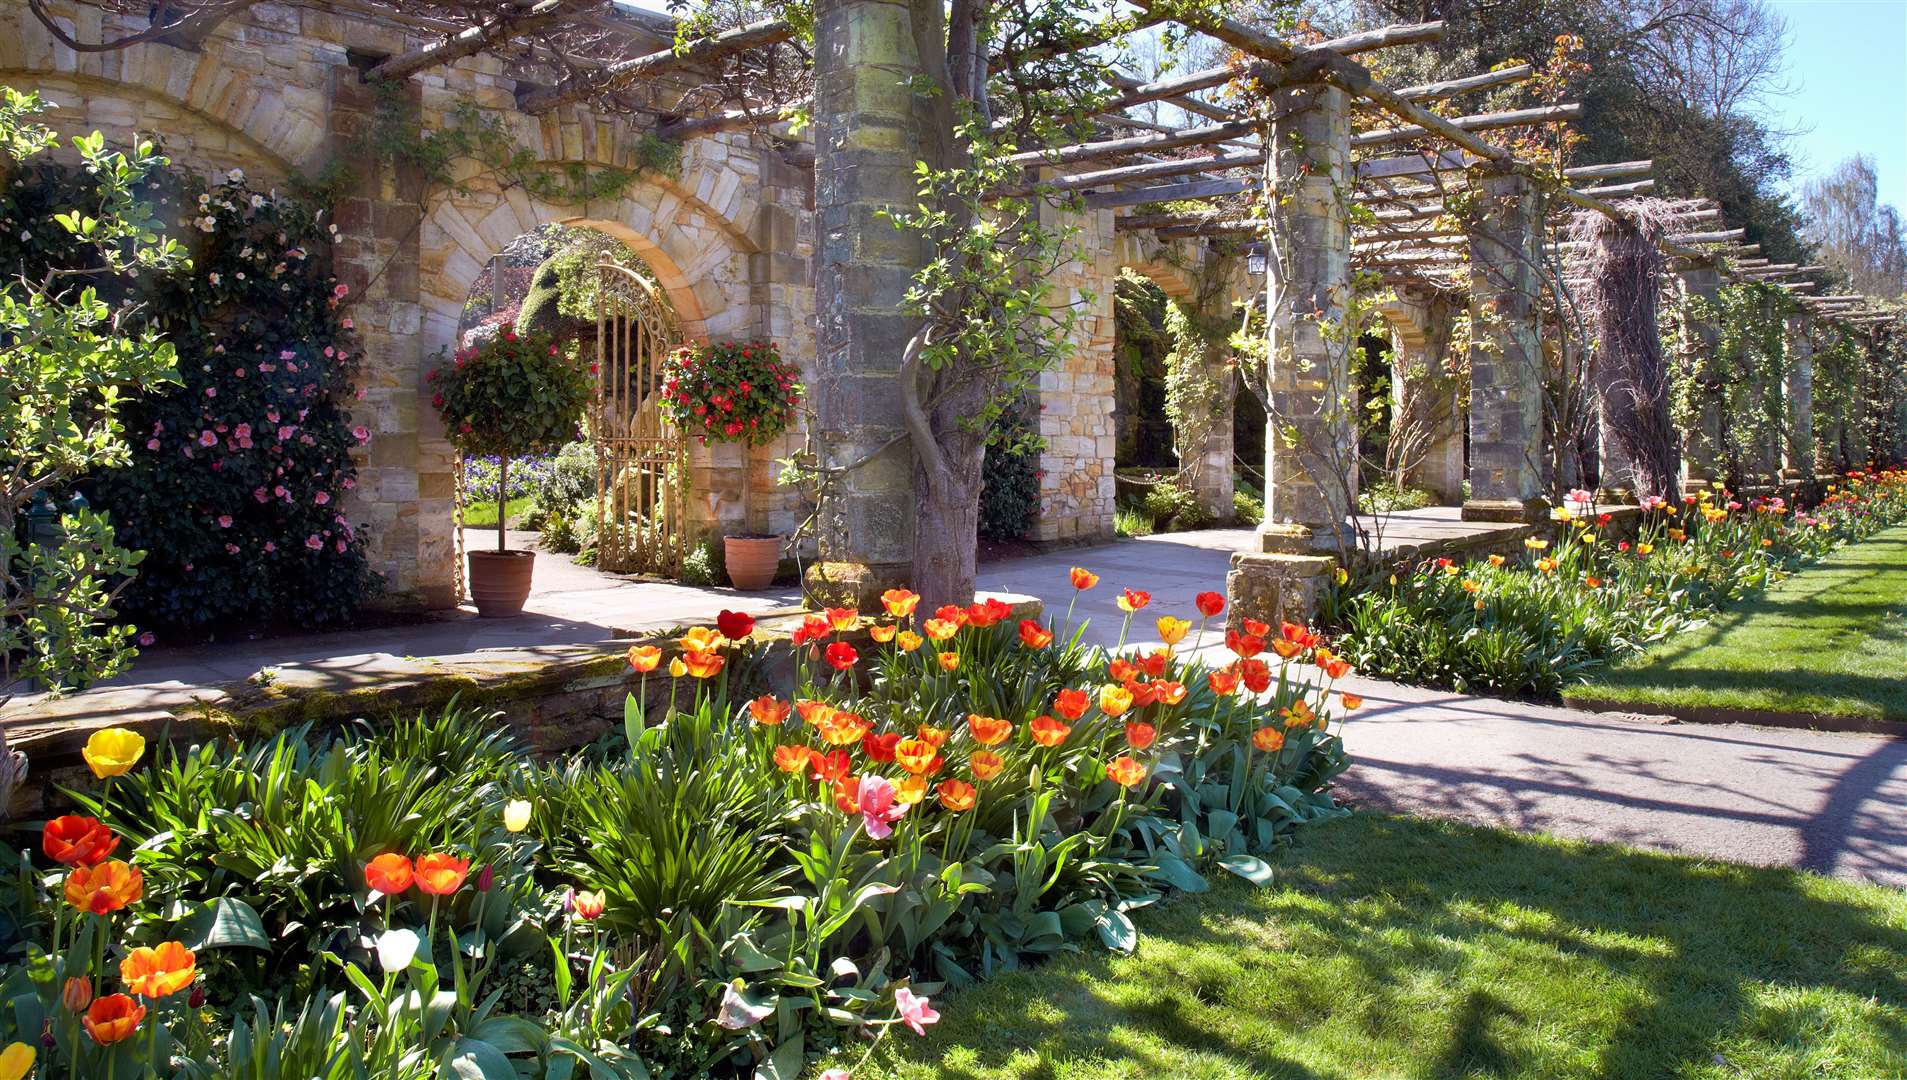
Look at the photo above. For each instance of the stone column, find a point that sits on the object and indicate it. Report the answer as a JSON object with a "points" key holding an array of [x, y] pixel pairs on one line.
{"points": [[1310, 439], [1426, 410], [1615, 468], [1506, 357], [1702, 443], [868, 134], [1797, 387]]}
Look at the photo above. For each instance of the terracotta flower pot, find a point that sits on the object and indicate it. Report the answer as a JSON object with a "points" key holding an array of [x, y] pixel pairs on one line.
{"points": [[500, 581], [752, 560]]}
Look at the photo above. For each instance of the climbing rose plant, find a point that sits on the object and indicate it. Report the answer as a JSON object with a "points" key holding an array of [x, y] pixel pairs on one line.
{"points": [[732, 392]]}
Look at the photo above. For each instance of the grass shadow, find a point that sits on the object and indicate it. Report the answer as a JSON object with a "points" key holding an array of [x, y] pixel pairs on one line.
{"points": [[1400, 947]]}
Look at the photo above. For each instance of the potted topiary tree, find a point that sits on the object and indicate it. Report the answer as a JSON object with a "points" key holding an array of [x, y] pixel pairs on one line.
{"points": [[512, 395], [739, 392]]}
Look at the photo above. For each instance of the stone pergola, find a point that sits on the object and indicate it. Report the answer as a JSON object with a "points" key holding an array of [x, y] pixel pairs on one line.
{"points": [[761, 232]]}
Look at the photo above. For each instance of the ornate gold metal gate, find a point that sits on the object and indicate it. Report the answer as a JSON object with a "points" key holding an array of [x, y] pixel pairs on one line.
{"points": [[640, 474]]}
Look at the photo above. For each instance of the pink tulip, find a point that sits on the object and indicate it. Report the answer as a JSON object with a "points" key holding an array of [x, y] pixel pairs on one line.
{"points": [[914, 1011], [874, 796]]}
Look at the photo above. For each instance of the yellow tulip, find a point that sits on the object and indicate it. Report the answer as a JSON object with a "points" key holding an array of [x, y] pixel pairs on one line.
{"points": [[16, 1061], [1171, 630], [113, 751]]}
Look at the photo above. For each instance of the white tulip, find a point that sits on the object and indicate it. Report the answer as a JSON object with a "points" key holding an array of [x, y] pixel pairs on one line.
{"points": [[516, 815], [396, 949]]}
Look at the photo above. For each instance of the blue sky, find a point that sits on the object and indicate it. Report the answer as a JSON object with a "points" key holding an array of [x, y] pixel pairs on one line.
{"points": [[1848, 64]]}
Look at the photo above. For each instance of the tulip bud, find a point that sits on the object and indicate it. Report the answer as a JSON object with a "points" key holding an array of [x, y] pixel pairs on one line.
{"points": [[196, 999], [484, 879], [78, 993], [47, 1038]]}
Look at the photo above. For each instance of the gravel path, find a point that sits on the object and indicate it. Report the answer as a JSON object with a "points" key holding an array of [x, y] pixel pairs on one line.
{"points": [[1832, 803]]}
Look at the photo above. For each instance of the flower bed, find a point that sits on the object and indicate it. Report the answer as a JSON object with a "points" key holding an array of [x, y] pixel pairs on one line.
{"points": [[737, 882], [1570, 605]]}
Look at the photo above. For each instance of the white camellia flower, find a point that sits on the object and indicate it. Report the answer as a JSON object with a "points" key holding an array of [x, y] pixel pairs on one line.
{"points": [[516, 815], [236, 176], [396, 949]]}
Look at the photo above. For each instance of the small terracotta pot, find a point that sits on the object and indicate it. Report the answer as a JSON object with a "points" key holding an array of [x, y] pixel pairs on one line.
{"points": [[752, 560], [500, 581]]}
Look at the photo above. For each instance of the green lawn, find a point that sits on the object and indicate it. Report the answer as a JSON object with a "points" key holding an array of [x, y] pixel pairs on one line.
{"points": [[1829, 642], [479, 514], [1394, 947]]}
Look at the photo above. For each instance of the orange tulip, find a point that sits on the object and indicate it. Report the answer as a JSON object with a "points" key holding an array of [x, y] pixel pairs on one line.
{"points": [[77, 993], [1352, 702], [940, 629], [73, 840], [1143, 693], [988, 730], [105, 888], [588, 906], [1335, 667], [987, 612], [441, 874], [644, 658], [1033, 635], [703, 665], [882, 633], [1256, 675], [935, 737], [1122, 670], [830, 767], [915, 755], [910, 790], [1170, 693], [900, 603], [791, 759], [1131, 600], [701, 639], [949, 661], [1223, 682], [1268, 739], [843, 619], [843, 729], [1071, 703], [907, 641], [1125, 772], [985, 764], [1047, 731], [956, 795], [113, 1018], [160, 972], [953, 613], [1497, 560], [812, 711], [389, 873], [1083, 578], [1140, 735], [1298, 714], [1114, 700], [768, 710]]}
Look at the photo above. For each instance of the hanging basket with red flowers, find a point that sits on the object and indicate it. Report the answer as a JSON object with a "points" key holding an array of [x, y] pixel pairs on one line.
{"points": [[730, 392]]}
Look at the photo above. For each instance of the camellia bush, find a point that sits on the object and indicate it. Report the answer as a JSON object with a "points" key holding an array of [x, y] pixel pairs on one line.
{"points": [[236, 472], [733, 884], [1531, 626], [732, 392]]}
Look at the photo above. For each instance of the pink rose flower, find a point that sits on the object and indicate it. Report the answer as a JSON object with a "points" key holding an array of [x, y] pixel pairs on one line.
{"points": [[314, 542], [321, 498], [225, 521]]}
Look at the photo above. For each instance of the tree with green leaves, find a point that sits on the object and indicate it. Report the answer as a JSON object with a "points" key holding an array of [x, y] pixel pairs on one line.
{"points": [[69, 362]]}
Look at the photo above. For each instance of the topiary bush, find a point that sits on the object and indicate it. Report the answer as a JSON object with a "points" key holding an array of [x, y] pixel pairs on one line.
{"points": [[239, 473], [1010, 482]]}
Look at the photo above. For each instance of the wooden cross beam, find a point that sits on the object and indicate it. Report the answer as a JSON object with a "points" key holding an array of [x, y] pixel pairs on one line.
{"points": [[623, 72], [1547, 114], [476, 39]]}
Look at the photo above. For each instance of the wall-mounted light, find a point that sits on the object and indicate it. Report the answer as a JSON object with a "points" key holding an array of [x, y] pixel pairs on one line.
{"points": [[1255, 263]]}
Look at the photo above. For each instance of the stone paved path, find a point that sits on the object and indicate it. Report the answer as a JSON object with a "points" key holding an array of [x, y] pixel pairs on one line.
{"points": [[1832, 803]]}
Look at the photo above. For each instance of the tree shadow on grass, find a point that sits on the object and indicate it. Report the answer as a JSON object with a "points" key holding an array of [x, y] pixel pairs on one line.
{"points": [[1393, 946]]}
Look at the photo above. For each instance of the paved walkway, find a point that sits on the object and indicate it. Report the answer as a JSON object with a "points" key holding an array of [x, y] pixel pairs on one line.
{"points": [[1832, 803], [1828, 802]]}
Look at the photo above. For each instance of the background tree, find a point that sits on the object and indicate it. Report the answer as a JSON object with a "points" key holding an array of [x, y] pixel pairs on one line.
{"points": [[1857, 234]]}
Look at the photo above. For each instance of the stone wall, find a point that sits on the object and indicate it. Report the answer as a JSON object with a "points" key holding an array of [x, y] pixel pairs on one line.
{"points": [[1076, 394], [274, 91]]}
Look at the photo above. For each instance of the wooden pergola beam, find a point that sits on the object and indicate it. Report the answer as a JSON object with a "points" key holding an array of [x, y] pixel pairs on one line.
{"points": [[475, 39], [1198, 136], [1152, 170], [623, 72], [1191, 189], [1449, 88], [1546, 114]]}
